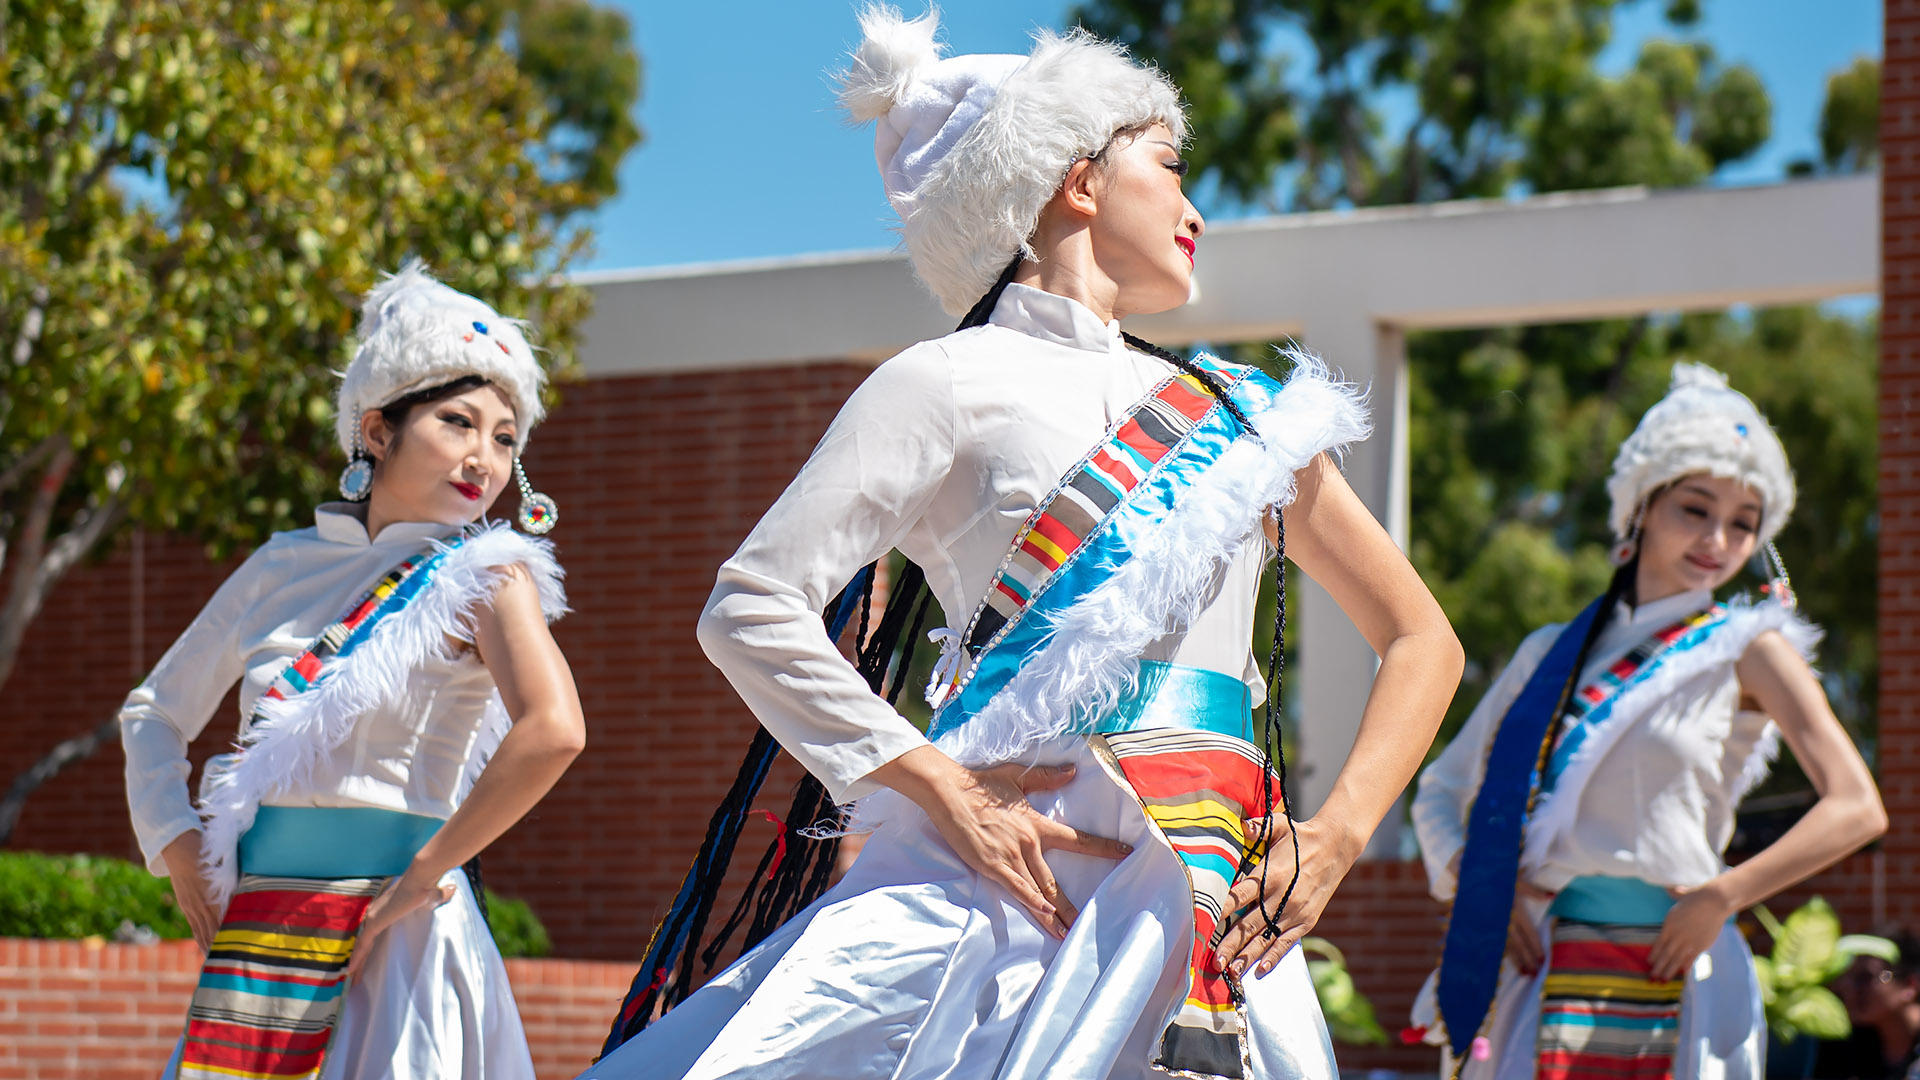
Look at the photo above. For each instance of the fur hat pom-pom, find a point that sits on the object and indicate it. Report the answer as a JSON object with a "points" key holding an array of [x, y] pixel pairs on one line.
{"points": [[1686, 374], [408, 279], [892, 49]]}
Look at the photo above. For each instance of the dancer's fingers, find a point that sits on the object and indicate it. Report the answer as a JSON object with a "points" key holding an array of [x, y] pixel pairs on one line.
{"points": [[1523, 944], [1042, 777], [1055, 836], [1266, 959], [1254, 937], [1064, 911], [1018, 880]]}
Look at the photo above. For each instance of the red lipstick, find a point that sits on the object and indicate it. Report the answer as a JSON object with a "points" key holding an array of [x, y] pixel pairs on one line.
{"points": [[1187, 246], [471, 491]]}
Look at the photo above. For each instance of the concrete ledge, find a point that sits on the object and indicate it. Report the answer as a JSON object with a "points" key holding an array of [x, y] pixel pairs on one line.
{"points": [[1571, 255]]}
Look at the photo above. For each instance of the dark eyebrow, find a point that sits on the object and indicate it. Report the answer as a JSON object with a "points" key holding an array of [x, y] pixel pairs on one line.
{"points": [[1168, 145], [1695, 489]]}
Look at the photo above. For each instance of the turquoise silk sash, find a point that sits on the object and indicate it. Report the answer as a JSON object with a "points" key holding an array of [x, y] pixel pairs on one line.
{"points": [[1088, 528]]}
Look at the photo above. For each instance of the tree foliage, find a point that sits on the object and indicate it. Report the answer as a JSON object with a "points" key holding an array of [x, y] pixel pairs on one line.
{"points": [[1514, 428], [194, 194], [1502, 92]]}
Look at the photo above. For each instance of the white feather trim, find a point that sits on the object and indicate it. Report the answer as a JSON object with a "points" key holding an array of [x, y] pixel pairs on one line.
{"points": [[1557, 809], [278, 752], [892, 49], [1092, 655]]}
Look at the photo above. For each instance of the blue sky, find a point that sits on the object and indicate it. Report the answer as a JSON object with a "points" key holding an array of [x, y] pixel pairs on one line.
{"points": [[747, 157]]}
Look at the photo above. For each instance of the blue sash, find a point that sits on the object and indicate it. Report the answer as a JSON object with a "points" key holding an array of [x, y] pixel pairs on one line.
{"points": [[1524, 760], [1490, 862]]}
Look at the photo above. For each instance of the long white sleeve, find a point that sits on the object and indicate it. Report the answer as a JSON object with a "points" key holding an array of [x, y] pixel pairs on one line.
{"points": [[866, 486], [1447, 787], [172, 706]]}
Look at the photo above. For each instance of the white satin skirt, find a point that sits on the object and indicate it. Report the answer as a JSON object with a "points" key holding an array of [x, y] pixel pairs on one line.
{"points": [[1723, 1026], [432, 1001], [914, 967]]}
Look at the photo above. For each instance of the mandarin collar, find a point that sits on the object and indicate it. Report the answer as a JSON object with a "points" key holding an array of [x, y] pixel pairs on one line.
{"points": [[1636, 622], [1056, 319], [344, 523]]}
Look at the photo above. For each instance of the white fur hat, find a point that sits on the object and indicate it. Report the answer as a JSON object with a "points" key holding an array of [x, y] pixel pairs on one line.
{"points": [[416, 333], [971, 148], [1702, 426]]}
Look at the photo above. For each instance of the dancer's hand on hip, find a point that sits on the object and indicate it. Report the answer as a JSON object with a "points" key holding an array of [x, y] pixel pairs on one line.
{"points": [[182, 856], [984, 815], [403, 896], [1691, 927], [1259, 938], [1524, 947]]}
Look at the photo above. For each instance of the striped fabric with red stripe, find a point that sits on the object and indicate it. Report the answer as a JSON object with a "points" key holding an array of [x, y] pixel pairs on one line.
{"points": [[273, 981], [1623, 669], [1602, 1017], [1199, 789], [1059, 526], [297, 676]]}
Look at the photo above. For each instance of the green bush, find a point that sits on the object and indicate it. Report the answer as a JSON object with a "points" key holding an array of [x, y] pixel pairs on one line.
{"points": [[79, 896], [516, 929], [1349, 1015]]}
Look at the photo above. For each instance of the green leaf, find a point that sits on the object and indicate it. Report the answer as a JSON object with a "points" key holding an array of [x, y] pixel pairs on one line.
{"points": [[1804, 951], [1815, 1011], [1852, 946]]}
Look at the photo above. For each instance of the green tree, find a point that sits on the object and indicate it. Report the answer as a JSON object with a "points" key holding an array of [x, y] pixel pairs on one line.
{"points": [[193, 195], [1514, 427]]}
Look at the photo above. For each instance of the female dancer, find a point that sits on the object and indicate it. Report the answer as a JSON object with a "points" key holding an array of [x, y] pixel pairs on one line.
{"points": [[1637, 727], [403, 704], [1046, 889]]}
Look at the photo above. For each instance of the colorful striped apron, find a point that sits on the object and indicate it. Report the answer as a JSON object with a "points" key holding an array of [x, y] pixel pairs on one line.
{"points": [[1602, 1017], [1183, 744], [272, 985]]}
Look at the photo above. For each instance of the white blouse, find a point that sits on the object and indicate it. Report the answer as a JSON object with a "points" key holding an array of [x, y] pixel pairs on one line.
{"points": [[1659, 805], [942, 452], [411, 755]]}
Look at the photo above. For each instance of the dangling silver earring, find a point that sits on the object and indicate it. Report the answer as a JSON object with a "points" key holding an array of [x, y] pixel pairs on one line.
{"points": [[356, 480], [538, 514], [1779, 586]]}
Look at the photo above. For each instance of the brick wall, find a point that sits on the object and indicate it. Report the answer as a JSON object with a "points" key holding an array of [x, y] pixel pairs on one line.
{"points": [[658, 478], [1899, 764], [70, 1009]]}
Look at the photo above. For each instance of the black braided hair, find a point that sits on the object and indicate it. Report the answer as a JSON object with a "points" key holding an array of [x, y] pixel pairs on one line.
{"points": [[1273, 781], [472, 868], [1619, 587]]}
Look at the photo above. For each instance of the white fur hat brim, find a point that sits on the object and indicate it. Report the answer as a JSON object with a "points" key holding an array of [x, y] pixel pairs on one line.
{"points": [[971, 148], [1702, 426], [416, 333]]}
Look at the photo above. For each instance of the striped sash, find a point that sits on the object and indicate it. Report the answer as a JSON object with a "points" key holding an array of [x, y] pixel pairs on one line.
{"points": [[271, 988], [1059, 528], [1602, 1017], [1199, 788], [1584, 713], [394, 591]]}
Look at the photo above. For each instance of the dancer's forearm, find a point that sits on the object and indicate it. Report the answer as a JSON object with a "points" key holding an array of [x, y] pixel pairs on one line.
{"points": [[1417, 677]]}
